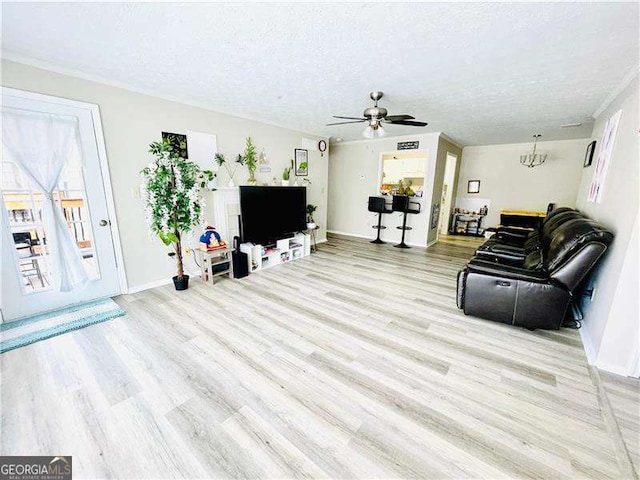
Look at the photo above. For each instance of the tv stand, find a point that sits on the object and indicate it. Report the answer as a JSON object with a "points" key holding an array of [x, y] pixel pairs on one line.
{"points": [[285, 250]]}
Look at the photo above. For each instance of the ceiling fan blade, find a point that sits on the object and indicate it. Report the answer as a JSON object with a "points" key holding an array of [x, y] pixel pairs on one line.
{"points": [[350, 118], [393, 118], [344, 123], [410, 123]]}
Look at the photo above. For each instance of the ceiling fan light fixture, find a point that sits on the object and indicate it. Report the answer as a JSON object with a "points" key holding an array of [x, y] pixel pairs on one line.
{"points": [[368, 132], [381, 131]]}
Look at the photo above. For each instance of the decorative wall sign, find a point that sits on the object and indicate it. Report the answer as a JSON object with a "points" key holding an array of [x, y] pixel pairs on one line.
{"points": [[263, 162], [588, 158], [604, 158], [302, 162], [473, 186], [408, 145], [178, 142]]}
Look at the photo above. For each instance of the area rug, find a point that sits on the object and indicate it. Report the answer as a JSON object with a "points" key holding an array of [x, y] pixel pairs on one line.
{"points": [[33, 329]]}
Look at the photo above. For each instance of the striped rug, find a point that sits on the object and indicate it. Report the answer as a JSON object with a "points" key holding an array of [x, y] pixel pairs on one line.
{"points": [[29, 330]]}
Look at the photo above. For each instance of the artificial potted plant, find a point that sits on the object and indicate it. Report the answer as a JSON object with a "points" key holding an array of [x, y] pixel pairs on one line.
{"points": [[311, 223], [285, 176], [172, 201], [249, 160]]}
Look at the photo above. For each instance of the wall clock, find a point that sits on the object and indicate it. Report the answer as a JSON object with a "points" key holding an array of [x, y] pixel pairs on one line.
{"points": [[322, 146]]}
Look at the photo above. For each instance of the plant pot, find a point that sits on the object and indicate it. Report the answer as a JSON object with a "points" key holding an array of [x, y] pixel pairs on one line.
{"points": [[311, 226], [252, 180], [181, 283], [285, 183]]}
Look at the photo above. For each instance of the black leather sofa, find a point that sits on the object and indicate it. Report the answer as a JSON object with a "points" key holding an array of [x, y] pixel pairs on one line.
{"points": [[530, 279]]}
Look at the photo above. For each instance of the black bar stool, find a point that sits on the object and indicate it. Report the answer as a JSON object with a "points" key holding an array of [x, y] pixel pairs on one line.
{"points": [[379, 206], [401, 203]]}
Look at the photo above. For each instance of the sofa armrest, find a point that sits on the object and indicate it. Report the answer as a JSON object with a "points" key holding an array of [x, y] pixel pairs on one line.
{"points": [[480, 266]]}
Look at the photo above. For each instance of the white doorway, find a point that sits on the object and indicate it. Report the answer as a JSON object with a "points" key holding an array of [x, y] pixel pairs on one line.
{"points": [[81, 261], [446, 202]]}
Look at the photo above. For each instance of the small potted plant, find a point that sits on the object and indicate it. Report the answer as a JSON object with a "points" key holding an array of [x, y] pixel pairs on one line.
{"points": [[249, 159], [172, 201], [311, 223], [285, 176]]}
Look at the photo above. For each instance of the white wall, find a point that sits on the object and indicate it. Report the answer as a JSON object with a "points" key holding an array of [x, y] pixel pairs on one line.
{"points": [[611, 319], [132, 120], [354, 176], [510, 185]]}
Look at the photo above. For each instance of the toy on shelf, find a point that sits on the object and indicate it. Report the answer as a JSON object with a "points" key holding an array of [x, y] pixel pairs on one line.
{"points": [[210, 240]]}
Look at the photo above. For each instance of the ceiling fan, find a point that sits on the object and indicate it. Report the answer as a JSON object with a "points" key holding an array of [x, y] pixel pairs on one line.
{"points": [[375, 116]]}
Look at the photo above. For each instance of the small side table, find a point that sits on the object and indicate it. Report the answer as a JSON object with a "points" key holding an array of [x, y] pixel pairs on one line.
{"points": [[214, 263], [312, 232]]}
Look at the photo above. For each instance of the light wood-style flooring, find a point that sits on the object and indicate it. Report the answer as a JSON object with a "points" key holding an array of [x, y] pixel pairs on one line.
{"points": [[351, 363]]}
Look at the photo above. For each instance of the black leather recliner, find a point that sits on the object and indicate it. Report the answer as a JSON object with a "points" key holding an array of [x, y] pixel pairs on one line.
{"points": [[506, 247], [535, 294]]}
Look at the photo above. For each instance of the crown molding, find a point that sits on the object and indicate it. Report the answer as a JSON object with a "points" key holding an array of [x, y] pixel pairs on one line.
{"points": [[55, 68], [624, 83]]}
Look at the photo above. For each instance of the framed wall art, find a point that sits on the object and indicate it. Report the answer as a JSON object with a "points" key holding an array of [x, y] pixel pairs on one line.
{"points": [[302, 162], [473, 186]]}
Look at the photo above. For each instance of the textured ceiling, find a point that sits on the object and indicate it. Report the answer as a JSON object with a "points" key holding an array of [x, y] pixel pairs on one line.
{"points": [[482, 73]]}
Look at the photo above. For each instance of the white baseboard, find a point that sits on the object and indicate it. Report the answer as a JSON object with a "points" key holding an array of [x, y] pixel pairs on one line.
{"points": [[347, 234], [157, 283], [614, 369], [587, 344], [147, 286], [592, 357]]}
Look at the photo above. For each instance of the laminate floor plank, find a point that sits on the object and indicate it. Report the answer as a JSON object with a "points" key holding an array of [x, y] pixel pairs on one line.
{"points": [[353, 362]]}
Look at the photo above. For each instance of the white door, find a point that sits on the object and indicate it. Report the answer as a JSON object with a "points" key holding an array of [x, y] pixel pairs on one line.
{"points": [[26, 259]]}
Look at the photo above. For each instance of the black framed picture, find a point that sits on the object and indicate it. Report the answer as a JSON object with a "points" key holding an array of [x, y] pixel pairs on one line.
{"points": [[302, 162], [178, 143], [588, 157], [473, 186]]}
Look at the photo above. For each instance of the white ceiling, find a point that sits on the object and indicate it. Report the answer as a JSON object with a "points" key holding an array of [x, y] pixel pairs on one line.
{"points": [[482, 73]]}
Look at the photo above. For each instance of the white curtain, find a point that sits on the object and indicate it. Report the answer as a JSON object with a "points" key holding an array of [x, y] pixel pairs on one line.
{"points": [[41, 144]]}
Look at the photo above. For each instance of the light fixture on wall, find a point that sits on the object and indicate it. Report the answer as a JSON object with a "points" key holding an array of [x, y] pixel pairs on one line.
{"points": [[533, 159], [374, 129]]}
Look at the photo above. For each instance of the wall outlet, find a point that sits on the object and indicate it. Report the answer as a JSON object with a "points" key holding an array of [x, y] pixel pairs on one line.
{"points": [[135, 191]]}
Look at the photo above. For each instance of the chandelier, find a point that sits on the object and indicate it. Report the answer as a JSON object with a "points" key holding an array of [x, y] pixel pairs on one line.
{"points": [[533, 159]]}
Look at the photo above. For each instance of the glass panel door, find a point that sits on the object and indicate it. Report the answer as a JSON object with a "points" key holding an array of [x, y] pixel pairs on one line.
{"points": [[28, 285]]}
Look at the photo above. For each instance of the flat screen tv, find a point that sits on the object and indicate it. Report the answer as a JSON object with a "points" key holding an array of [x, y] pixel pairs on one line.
{"points": [[271, 213]]}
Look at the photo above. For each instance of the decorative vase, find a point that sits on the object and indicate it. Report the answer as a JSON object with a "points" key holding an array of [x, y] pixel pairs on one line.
{"points": [[285, 183], [181, 283], [311, 225], [252, 179]]}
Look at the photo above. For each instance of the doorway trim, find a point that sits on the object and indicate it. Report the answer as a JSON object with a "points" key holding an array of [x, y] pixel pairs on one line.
{"points": [[453, 192], [94, 110]]}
